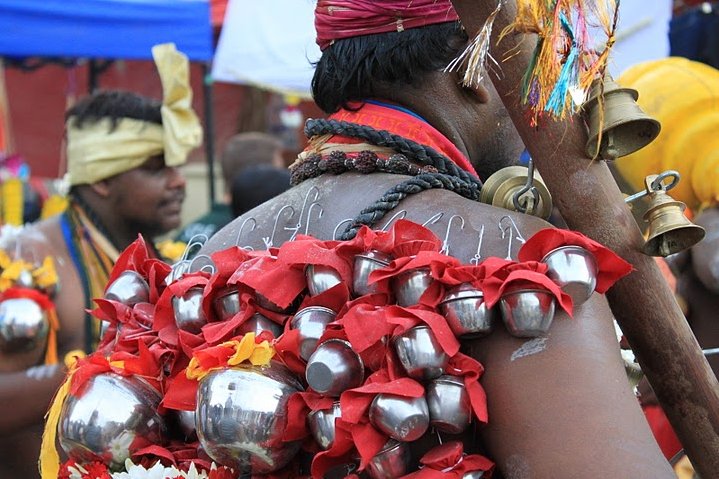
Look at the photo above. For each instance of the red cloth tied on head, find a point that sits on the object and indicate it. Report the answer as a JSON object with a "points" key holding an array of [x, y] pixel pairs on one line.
{"points": [[337, 19]]}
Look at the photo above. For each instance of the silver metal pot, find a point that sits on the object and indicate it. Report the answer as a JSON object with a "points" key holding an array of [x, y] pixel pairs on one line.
{"points": [[322, 425], [364, 264], [409, 286], [420, 354], [24, 325], [189, 315], [112, 413], [466, 312], [574, 269], [401, 418], [321, 278], [333, 368], [242, 415], [527, 313], [311, 323], [450, 410], [129, 289]]}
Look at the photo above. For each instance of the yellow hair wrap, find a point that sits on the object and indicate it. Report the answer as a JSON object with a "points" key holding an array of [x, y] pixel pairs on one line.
{"points": [[96, 151], [684, 96]]}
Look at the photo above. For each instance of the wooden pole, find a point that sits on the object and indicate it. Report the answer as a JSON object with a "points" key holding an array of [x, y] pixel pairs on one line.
{"points": [[590, 202]]}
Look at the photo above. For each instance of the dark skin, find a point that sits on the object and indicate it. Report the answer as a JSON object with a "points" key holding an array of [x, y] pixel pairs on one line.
{"points": [[140, 201], [567, 410]]}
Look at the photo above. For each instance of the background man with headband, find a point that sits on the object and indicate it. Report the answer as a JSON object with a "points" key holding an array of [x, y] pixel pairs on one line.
{"points": [[123, 151]]}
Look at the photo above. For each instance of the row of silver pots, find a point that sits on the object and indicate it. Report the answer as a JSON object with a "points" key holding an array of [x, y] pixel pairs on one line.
{"points": [[526, 312], [240, 418], [573, 268]]}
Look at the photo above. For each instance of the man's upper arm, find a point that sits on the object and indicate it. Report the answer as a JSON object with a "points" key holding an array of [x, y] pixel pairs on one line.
{"points": [[560, 406]]}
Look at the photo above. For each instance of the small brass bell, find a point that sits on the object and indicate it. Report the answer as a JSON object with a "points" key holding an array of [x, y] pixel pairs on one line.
{"points": [[625, 128], [669, 229], [515, 188]]}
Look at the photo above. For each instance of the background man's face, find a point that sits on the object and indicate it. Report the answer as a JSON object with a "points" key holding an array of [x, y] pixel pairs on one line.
{"points": [[149, 197]]}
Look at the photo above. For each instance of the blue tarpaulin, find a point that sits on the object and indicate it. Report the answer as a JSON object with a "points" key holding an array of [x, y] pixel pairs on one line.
{"points": [[104, 28]]}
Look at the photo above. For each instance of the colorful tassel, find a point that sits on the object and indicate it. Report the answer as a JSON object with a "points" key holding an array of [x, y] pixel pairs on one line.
{"points": [[564, 63], [474, 58]]}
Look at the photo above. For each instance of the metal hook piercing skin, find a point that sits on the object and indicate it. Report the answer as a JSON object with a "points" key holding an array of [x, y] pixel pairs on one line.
{"points": [[400, 215], [445, 243], [512, 227], [309, 215], [478, 255], [657, 185], [269, 241], [298, 226], [242, 228], [211, 264], [192, 243], [344, 221], [433, 220]]}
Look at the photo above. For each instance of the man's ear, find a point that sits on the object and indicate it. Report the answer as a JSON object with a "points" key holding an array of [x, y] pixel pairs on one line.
{"points": [[480, 93], [101, 188]]}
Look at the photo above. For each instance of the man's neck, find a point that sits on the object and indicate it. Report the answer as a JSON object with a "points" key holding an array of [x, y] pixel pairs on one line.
{"points": [[115, 232]]}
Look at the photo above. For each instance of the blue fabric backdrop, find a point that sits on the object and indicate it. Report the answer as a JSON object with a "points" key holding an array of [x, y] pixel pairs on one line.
{"points": [[104, 28]]}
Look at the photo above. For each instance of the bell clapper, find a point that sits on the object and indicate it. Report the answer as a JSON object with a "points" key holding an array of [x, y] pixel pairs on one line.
{"points": [[610, 153]]}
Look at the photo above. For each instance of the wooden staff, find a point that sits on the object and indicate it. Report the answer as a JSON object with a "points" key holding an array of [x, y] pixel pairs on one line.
{"points": [[590, 202]]}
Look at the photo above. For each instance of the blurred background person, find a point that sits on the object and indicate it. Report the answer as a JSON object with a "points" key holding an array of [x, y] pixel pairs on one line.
{"points": [[242, 151], [124, 181], [255, 185], [683, 95]]}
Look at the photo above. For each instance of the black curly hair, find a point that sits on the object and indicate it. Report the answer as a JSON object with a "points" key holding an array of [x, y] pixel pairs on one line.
{"points": [[114, 105], [351, 69]]}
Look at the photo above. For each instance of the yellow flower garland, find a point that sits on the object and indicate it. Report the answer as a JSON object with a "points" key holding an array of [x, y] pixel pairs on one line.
{"points": [[244, 350]]}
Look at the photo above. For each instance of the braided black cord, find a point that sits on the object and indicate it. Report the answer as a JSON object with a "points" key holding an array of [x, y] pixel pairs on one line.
{"points": [[391, 198], [422, 154]]}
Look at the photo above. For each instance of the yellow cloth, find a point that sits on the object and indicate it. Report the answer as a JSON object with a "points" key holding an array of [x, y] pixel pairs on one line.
{"points": [[49, 461], [684, 469], [96, 151], [684, 96]]}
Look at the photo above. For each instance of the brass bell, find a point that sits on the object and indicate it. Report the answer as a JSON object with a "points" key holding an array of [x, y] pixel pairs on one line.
{"points": [[514, 188], [669, 229], [624, 127]]}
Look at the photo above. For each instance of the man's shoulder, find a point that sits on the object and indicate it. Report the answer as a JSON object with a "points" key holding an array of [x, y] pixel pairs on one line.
{"points": [[324, 206], [44, 235]]}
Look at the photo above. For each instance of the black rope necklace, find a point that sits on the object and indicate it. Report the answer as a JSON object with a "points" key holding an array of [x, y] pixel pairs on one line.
{"points": [[438, 170]]}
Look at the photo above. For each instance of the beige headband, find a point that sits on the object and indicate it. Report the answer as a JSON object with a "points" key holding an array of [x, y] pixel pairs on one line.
{"points": [[96, 151]]}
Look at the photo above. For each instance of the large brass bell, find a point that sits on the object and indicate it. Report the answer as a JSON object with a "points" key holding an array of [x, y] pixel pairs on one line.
{"points": [[624, 126], [518, 188], [669, 229]]}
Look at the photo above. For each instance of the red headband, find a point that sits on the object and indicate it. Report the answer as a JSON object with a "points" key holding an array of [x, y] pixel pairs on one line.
{"points": [[337, 19]]}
